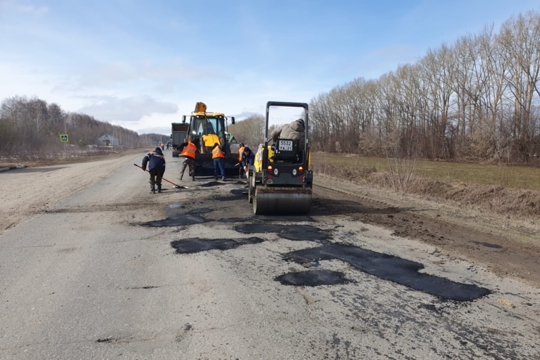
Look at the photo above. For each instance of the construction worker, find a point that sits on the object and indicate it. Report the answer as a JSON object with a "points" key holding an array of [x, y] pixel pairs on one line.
{"points": [[240, 152], [218, 155], [248, 159], [156, 167], [189, 151]]}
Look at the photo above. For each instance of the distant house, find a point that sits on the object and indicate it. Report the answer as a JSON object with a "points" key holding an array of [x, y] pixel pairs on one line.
{"points": [[107, 140]]}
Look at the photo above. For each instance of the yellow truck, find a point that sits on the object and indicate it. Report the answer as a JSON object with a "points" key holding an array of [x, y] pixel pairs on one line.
{"points": [[206, 129]]}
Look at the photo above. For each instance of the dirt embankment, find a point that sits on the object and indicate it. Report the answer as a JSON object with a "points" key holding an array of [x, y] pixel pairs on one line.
{"points": [[522, 204]]}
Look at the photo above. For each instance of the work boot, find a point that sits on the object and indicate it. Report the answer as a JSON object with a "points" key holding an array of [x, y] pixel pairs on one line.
{"points": [[153, 189], [159, 188]]}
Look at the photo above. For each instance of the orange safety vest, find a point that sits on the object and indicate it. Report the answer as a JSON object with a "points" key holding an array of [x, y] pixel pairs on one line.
{"points": [[189, 150], [240, 151], [218, 153]]}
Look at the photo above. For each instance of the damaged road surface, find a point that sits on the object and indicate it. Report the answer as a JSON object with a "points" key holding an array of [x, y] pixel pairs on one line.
{"points": [[112, 271]]}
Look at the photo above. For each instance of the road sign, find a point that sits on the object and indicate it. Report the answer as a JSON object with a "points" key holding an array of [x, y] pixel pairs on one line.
{"points": [[64, 138]]}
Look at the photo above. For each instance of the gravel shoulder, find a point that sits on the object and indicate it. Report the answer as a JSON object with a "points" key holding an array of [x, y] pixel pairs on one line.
{"points": [[29, 191]]}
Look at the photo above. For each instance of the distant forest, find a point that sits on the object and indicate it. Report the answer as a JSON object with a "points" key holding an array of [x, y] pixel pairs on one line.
{"points": [[478, 99], [33, 127]]}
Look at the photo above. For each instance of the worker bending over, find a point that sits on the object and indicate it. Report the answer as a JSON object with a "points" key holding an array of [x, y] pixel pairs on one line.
{"points": [[248, 159], [156, 167]]}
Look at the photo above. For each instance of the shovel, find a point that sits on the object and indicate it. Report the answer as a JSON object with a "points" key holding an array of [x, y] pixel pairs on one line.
{"points": [[170, 182]]}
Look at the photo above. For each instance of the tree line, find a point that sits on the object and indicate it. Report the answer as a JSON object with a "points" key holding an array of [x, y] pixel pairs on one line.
{"points": [[31, 126], [249, 131], [478, 98]]}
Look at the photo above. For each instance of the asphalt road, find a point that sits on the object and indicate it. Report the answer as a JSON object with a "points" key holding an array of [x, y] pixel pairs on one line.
{"points": [[112, 271]]}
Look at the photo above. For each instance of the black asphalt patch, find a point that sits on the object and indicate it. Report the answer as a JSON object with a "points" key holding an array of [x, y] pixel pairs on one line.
{"points": [[212, 183], [289, 232], [195, 245], [177, 220], [313, 278], [283, 218], [200, 211], [232, 220], [238, 192], [392, 268]]}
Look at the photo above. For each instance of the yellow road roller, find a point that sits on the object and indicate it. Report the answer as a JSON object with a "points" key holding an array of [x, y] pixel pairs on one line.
{"points": [[281, 181]]}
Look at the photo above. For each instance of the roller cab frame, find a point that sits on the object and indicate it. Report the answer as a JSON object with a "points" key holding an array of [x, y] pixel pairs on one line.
{"points": [[283, 183]]}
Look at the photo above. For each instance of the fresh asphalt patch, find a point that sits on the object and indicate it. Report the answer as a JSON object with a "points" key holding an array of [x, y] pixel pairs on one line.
{"points": [[383, 266], [177, 220], [195, 245], [391, 268], [313, 278], [289, 231]]}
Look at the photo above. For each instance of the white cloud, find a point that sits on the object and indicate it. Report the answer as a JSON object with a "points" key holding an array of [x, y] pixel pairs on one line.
{"points": [[129, 109], [42, 10], [17, 6], [165, 130], [163, 77]]}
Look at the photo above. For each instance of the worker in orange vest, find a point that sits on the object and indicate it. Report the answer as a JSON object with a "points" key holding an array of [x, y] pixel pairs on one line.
{"points": [[189, 152], [218, 155], [240, 152]]}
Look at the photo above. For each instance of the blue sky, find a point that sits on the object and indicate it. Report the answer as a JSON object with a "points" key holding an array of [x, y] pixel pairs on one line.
{"points": [[142, 64]]}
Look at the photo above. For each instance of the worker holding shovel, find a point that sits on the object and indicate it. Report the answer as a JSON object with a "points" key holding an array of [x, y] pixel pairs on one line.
{"points": [[156, 167]]}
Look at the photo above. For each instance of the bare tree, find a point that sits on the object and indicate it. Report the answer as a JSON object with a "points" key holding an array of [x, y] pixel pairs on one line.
{"points": [[477, 98], [249, 131]]}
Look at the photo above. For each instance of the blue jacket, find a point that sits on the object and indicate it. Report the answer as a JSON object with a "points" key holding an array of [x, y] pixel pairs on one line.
{"points": [[249, 159], [154, 160]]}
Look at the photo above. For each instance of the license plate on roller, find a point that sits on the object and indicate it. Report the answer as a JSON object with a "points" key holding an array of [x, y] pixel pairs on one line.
{"points": [[285, 146]]}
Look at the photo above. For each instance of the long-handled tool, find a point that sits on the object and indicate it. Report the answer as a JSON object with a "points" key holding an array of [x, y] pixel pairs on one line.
{"points": [[170, 182]]}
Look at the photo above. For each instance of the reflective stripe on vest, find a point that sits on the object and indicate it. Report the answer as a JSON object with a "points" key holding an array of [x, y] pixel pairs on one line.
{"points": [[189, 150], [218, 153]]}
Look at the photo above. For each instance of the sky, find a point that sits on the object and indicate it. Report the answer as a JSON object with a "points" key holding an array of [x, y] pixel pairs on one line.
{"points": [[143, 64]]}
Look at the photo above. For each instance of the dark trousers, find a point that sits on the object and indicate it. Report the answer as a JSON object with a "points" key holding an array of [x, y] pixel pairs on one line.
{"points": [[219, 164], [188, 162], [155, 177]]}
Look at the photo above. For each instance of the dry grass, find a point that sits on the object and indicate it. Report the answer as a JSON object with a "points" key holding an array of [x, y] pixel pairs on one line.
{"points": [[510, 190], [508, 176]]}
